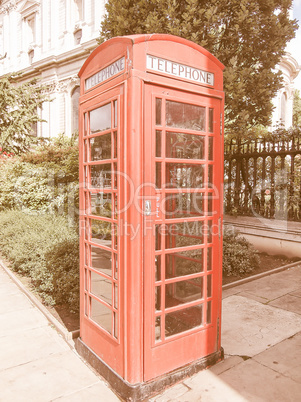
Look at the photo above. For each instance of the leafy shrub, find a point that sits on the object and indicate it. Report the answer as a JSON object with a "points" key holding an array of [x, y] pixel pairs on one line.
{"points": [[239, 256], [27, 241], [62, 262], [44, 180]]}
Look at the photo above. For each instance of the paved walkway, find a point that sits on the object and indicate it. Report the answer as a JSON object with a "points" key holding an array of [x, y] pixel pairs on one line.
{"points": [[261, 335]]}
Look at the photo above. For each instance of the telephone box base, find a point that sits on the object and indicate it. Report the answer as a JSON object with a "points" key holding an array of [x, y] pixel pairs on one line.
{"points": [[142, 391]]}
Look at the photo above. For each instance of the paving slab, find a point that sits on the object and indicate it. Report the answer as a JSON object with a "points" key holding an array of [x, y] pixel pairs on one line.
{"points": [[230, 292], [4, 278], [296, 293], [13, 302], [274, 286], [285, 358], [95, 393], [288, 302], [226, 364], [249, 327], [21, 320], [33, 344], [258, 383], [8, 289], [46, 379], [208, 387], [176, 393]]}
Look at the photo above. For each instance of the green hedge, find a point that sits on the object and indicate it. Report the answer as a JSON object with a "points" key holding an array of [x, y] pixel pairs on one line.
{"points": [[44, 180], [239, 256], [44, 248]]}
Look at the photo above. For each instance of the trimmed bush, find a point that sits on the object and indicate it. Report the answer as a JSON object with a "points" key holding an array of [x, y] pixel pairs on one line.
{"points": [[239, 256], [62, 262], [44, 180], [28, 241]]}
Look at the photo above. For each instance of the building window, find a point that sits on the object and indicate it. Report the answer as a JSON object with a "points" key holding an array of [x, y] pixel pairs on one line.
{"points": [[30, 56], [78, 10], [283, 108], [30, 22], [74, 109]]}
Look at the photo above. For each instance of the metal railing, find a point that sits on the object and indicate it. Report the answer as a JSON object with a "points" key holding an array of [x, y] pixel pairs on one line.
{"points": [[263, 177]]}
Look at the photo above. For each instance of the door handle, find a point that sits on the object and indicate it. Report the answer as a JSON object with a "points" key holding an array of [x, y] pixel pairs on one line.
{"points": [[147, 207]]}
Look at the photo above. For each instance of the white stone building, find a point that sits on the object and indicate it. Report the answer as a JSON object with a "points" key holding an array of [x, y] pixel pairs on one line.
{"points": [[50, 39], [283, 102]]}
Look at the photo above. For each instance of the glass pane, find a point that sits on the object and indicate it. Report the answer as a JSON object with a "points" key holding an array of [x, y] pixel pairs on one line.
{"points": [[208, 312], [158, 329], [184, 146], [115, 265], [115, 113], [115, 325], [158, 267], [186, 116], [184, 234], [158, 175], [184, 175], [209, 231], [183, 320], [101, 176], [158, 143], [101, 287], [210, 125], [115, 236], [184, 205], [184, 292], [115, 205], [102, 315], [85, 124], [100, 118], [86, 175], [86, 304], [158, 237], [102, 260], [209, 259], [87, 254], [184, 263], [101, 232], [158, 111], [115, 144], [158, 298], [210, 204], [101, 147], [101, 204], [85, 150], [209, 285], [210, 149], [210, 176], [86, 280], [116, 296]]}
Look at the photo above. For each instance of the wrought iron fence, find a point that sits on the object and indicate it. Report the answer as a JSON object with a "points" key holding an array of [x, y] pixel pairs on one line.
{"points": [[263, 177]]}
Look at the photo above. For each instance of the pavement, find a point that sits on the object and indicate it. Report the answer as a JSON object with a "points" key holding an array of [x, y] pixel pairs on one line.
{"points": [[261, 336]]}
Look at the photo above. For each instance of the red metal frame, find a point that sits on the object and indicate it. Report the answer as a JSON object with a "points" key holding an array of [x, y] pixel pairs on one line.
{"points": [[117, 73]]}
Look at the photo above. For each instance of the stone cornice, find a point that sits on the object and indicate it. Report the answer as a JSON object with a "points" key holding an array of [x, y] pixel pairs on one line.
{"points": [[7, 7], [54, 61]]}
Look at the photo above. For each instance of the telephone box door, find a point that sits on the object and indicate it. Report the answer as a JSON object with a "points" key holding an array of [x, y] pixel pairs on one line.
{"points": [[182, 223], [101, 299]]}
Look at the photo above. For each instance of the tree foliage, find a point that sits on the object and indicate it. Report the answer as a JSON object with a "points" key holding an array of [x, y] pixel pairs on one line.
{"points": [[297, 109], [247, 36], [19, 104]]}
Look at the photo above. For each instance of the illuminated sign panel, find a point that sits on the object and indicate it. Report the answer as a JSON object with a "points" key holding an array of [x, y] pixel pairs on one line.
{"points": [[105, 73], [160, 65]]}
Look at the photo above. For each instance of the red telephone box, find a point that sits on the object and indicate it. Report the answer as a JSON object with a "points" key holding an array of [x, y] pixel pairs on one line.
{"points": [[151, 171]]}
